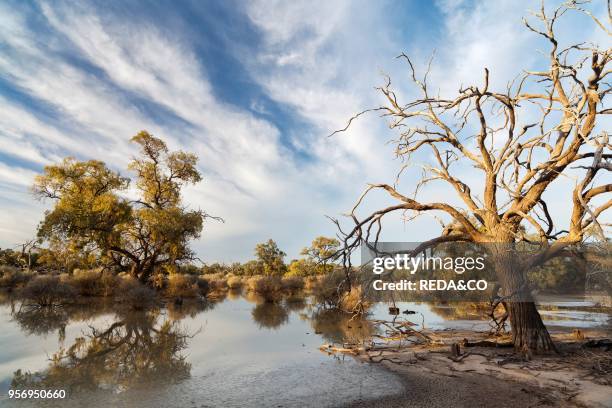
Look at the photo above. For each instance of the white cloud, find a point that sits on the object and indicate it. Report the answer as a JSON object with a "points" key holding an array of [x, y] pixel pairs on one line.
{"points": [[321, 60], [250, 179]]}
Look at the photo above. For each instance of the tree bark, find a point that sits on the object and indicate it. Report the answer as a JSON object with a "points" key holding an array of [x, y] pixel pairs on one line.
{"points": [[528, 330]]}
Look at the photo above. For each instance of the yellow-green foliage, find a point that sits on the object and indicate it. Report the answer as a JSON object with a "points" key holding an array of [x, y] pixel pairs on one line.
{"points": [[271, 257], [90, 210], [302, 267], [322, 250]]}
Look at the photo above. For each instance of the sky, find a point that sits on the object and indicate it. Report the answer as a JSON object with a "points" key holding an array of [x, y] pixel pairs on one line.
{"points": [[254, 88]]}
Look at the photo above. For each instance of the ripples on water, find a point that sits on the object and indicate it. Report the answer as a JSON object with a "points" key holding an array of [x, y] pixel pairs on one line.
{"points": [[238, 351]]}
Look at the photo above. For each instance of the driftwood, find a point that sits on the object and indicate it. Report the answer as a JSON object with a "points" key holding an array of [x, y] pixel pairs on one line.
{"points": [[330, 348], [401, 329]]}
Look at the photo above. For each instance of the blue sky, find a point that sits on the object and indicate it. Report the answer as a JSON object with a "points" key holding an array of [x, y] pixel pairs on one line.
{"points": [[252, 87]]}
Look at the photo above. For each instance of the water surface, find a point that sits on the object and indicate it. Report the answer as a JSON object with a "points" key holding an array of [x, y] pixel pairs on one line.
{"points": [[239, 351]]}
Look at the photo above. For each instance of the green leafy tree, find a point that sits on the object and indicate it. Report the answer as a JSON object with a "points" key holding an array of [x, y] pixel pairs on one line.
{"points": [[271, 257], [322, 251], [302, 267], [144, 236]]}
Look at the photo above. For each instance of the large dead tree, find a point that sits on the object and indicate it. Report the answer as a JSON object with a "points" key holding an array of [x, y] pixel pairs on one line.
{"points": [[514, 157]]}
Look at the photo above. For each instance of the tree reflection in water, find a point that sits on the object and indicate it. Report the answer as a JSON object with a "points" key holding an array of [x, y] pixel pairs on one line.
{"points": [[189, 308], [41, 320], [270, 315], [336, 326], [134, 350]]}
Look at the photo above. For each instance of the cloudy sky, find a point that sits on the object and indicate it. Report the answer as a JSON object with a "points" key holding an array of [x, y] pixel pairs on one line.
{"points": [[252, 87]]}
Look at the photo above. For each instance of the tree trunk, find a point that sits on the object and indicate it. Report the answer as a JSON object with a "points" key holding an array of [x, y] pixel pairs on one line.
{"points": [[135, 270], [148, 268], [528, 330]]}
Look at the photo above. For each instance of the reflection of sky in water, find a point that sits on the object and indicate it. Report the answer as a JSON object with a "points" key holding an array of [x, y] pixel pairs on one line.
{"points": [[426, 314], [31, 352], [243, 356], [433, 316], [235, 362], [577, 319]]}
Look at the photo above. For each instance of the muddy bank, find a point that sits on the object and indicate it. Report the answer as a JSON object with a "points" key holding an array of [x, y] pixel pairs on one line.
{"points": [[427, 389], [485, 376]]}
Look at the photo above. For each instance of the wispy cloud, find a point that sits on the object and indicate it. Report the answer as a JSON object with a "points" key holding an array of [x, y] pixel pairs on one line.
{"points": [[77, 79]]}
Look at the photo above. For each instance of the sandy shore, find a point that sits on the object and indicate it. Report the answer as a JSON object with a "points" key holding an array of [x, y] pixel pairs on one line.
{"points": [[494, 377]]}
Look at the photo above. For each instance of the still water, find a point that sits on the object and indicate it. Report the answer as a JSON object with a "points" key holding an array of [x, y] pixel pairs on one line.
{"points": [[237, 351]]}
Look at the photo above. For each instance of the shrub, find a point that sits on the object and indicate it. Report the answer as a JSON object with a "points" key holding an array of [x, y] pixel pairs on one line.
{"points": [[190, 269], [214, 269], [236, 269], [203, 286], [87, 282], [180, 285], [92, 282], [329, 289], [48, 291], [159, 281], [311, 281], [292, 284], [11, 277], [268, 287], [217, 282], [234, 282], [109, 283], [134, 294], [353, 301], [252, 268]]}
